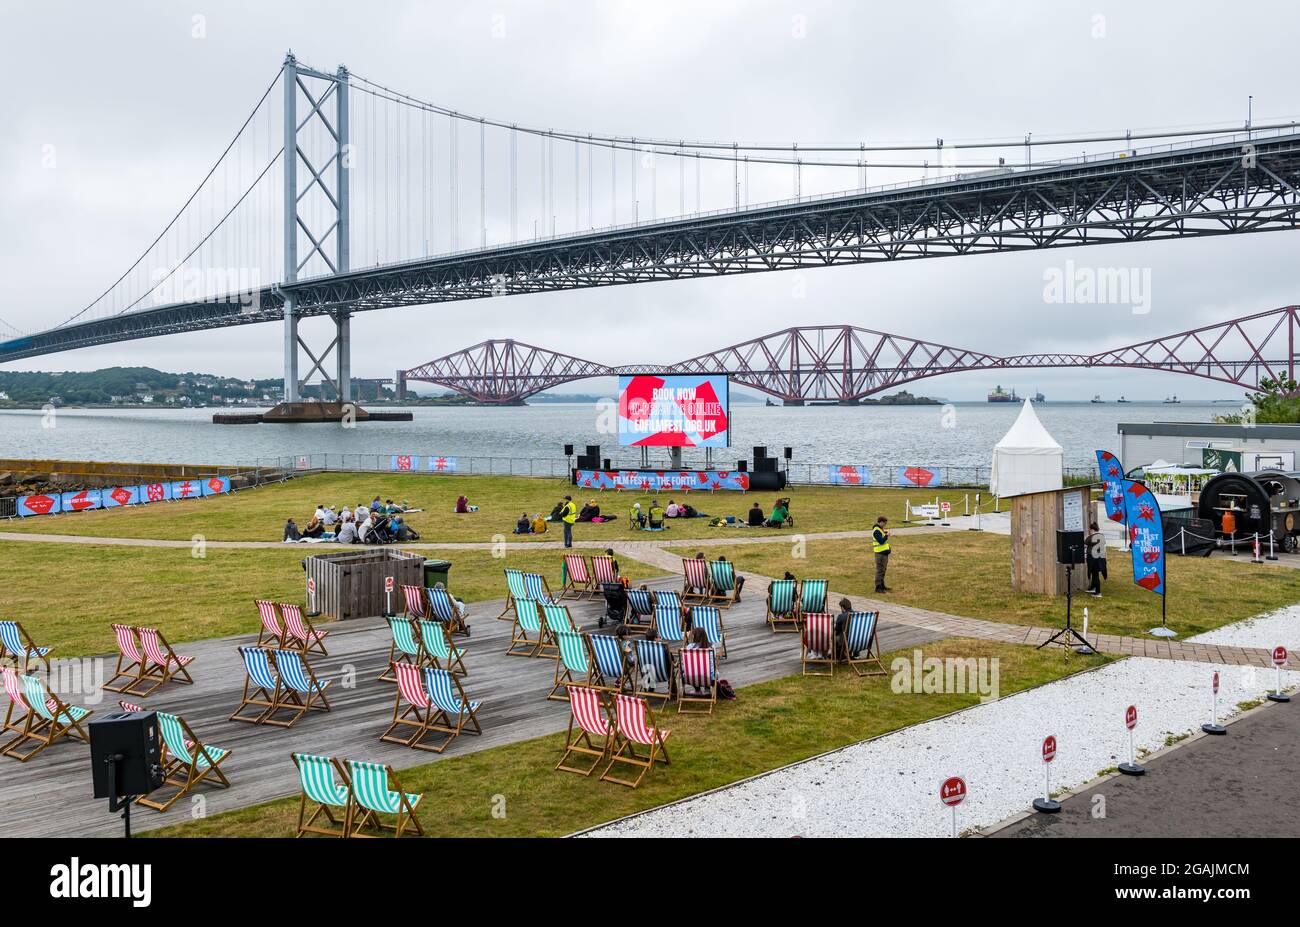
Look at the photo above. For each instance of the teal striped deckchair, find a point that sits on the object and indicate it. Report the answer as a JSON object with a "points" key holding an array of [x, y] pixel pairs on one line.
{"points": [[372, 796], [439, 648], [405, 648], [518, 591], [812, 597], [557, 619], [782, 607], [187, 761], [316, 779], [722, 574], [48, 720], [528, 620], [575, 665], [862, 644]]}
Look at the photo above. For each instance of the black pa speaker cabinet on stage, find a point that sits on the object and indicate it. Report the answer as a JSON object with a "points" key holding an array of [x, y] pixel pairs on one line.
{"points": [[742, 466], [568, 450], [1069, 547], [587, 462], [593, 451], [765, 465], [789, 453], [759, 453], [132, 735]]}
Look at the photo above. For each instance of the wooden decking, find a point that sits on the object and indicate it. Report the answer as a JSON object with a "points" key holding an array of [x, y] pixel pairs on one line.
{"points": [[50, 796]]}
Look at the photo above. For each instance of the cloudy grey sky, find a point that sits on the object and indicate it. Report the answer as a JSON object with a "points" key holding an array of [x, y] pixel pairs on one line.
{"points": [[137, 107]]}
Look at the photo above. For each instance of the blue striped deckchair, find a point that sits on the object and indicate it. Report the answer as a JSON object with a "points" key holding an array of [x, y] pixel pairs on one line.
{"points": [[782, 608], [518, 591], [17, 645], [372, 796], [860, 638], [654, 666], [668, 623], [641, 609], [725, 591], [528, 620], [537, 588], [454, 710], [668, 597], [405, 647], [439, 648], [710, 619], [187, 761], [445, 610], [300, 690], [812, 596], [610, 662], [261, 685], [698, 678], [48, 720], [316, 779], [574, 666]]}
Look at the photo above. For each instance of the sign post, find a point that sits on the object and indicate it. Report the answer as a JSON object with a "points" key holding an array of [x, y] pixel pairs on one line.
{"points": [[1214, 727], [311, 597], [388, 597], [1279, 660], [952, 793], [945, 508], [977, 513], [1132, 767], [1045, 804]]}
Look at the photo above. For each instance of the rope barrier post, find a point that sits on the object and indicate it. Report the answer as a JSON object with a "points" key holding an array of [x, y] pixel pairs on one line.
{"points": [[907, 511], [1271, 554], [1256, 558], [1182, 541]]}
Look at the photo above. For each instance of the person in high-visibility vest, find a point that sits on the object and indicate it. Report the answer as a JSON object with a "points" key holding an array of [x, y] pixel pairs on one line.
{"points": [[568, 515], [880, 547]]}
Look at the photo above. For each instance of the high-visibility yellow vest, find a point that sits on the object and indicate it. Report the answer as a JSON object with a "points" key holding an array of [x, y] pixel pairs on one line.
{"points": [[880, 540], [569, 513]]}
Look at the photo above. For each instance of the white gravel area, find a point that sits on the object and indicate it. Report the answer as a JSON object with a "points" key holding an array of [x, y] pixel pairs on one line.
{"points": [[889, 786]]}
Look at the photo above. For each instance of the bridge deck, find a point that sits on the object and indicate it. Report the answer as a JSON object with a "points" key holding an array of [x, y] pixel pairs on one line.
{"points": [[50, 795]]}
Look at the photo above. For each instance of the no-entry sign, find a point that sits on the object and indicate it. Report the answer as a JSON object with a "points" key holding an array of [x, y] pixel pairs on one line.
{"points": [[1214, 682], [1131, 717], [953, 791], [388, 584], [1279, 656], [311, 584], [1049, 748]]}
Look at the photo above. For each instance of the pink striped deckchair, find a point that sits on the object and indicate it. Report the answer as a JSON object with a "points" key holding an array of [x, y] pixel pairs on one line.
{"points": [[272, 633], [130, 661], [588, 713], [602, 565], [696, 584], [419, 713], [577, 577], [16, 714], [162, 664], [817, 644], [636, 725], [698, 679], [299, 631], [416, 607]]}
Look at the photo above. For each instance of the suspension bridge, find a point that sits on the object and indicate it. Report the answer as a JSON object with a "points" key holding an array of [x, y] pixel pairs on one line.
{"points": [[339, 195]]}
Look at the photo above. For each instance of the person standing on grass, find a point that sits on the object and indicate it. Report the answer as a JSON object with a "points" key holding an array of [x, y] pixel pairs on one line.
{"points": [[568, 515], [1095, 545], [880, 547]]}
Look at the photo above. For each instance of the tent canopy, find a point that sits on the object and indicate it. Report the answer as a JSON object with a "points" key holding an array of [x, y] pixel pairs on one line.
{"points": [[1027, 459]]}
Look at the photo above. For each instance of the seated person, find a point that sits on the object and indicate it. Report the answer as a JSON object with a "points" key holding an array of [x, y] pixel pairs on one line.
{"points": [[687, 511], [636, 516], [735, 576], [524, 525], [392, 508], [756, 517], [402, 532], [366, 529], [291, 532], [656, 514], [376, 505], [841, 628], [463, 507], [314, 529], [460, 606], [329, 519], [779, 515], [347, 533], [539, 524], [555, 512], [589, 511], [698, 640], [673, 510]]}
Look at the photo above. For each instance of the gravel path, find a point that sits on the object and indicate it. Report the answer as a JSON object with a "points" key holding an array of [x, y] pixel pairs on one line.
{"points": [[888, 786]]}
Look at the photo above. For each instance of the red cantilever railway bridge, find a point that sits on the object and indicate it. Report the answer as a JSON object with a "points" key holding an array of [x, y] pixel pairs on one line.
{"points": [[844, 363]]}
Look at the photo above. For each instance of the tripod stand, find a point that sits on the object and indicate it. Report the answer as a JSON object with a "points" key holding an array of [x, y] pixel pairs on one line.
{"points": [[1067, 637]]}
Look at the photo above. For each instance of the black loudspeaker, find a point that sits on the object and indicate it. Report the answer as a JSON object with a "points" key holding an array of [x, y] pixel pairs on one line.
{"points": [[1069, 547], [759, 453], [765, 465], [789, 453], [588, 462], [132, 736], [593, 451], [742, 465], [607, 466], [568, 450]]}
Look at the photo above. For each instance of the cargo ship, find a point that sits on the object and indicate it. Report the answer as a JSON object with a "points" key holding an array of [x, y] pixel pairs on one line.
{"points": [[1000, 395]]}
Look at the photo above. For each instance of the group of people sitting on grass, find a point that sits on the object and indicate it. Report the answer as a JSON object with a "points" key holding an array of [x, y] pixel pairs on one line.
{"points": [[380, 522], [654, 517], [780, 517]]}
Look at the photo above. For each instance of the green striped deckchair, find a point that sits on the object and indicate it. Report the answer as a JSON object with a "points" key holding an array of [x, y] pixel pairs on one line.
{"points": [[439, 648], [187, 760], [812, 597], [405, 648], [722, 573], [372, 797], [528, 620], [782, 606], [518, 590], [316, 779], [48, 720], [575, 666]]}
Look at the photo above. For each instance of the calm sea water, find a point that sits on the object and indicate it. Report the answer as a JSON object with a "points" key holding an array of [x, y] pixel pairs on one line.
{"points": [[870, 435]]}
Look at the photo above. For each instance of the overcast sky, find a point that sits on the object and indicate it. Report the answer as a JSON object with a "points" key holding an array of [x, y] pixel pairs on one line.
{"points": [[137, 107]]}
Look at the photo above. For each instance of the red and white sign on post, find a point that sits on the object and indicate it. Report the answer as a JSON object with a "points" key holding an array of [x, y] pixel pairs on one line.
{"points": [[1046, 804], [311, 594], [1049, 748], [952, 793], [1131, 717], [1214, 727], [388, 596], [1279, 661], [1131, 768]]}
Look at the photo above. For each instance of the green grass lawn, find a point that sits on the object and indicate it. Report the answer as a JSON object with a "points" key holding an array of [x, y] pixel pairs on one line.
{"points": [[969, 573], [259, 514], [769, 725], [67, 595]]}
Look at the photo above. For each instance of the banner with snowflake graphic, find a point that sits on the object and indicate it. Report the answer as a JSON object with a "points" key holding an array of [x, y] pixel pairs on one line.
{"points": [[662, 481], [442, 464], [1112, 476], [1146, 536]]}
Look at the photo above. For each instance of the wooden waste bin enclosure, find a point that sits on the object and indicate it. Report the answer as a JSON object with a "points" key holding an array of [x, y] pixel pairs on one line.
{"points": [[351, 584], [1035, 519]]}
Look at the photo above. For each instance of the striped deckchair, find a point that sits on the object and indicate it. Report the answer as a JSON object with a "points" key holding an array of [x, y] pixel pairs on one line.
{"points": [[405, 647], [588, 718], [130, 660], [817, 644], [611, 665], [416, 604], [575, 665], [577, 577], [668, 623], [17, 645], [300, 633], [272, 632], [373, 796], [860, 638], [538, 590], [418, 712], [439, 648], [557, 619], [696, 585], [603, 569], [697, 673], [528, 620], [667, 597], [49, 719], [518, 591], [653, 659], [723, 576], [454, 709], [162, 664], [18, 710], [444, 609], [300, 690], [187, 761], [316, 779], [782, 609], [641, 609], [261, 685], [812, 596], [710, 619], [636, 725]]}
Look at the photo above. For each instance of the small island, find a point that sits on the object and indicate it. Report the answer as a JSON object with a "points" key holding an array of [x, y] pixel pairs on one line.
{"points": [[904, 398]]}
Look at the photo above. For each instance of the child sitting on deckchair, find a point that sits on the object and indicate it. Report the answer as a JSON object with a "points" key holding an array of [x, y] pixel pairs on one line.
{"points": [[650, 678]]}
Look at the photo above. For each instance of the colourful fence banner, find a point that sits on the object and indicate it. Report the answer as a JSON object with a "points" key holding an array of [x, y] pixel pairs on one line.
{"points": [[848, 475], [405, 462], [120, 495], [1112, 476], [186, 489], [155, 492], [216, 485], [659, 480], [38, 504], [1146, 535], [918, 476], [442, 464], [84, 501]]}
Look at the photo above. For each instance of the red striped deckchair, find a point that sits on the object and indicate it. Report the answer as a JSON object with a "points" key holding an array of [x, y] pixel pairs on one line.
{"points": [[817, 644], [130, 661], [162, 664], [602, 566], [416, 606], [636, 725], [577, 577], [16, 714], [272, 633], [698, 679], [301, 633], [588, 713], [48, 720], [696, 583], [418, 714]]}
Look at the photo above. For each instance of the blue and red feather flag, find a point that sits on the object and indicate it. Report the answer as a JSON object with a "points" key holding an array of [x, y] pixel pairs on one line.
{"points": [[1146, 536], [1112, 478]]}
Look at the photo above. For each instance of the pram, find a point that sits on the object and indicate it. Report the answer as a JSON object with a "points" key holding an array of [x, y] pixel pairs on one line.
{"points": [[615, 603]]}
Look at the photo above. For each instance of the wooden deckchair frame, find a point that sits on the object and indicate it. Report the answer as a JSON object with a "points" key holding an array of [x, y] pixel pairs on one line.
{"points": [[670, 682], [260, 697], [872, 650], [186, 775], [339, 828], [291, 699], [31, 651], [455, 657], [405, 814], [564, 675], [783, 618], [156, 673], [805, 658], [724, 598], [312, 638], [46, 731], [580, 590], [120, 670], [468, 713], [684, 689], [519, 635], [696, 593], [625, 748], [582, 743]]}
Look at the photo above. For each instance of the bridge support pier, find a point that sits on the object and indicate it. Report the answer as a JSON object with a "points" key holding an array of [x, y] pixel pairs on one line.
{"points": [[792, 402]]}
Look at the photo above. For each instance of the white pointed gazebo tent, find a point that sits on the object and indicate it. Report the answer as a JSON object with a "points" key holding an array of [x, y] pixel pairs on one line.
{"points": [[1027, 459]]}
